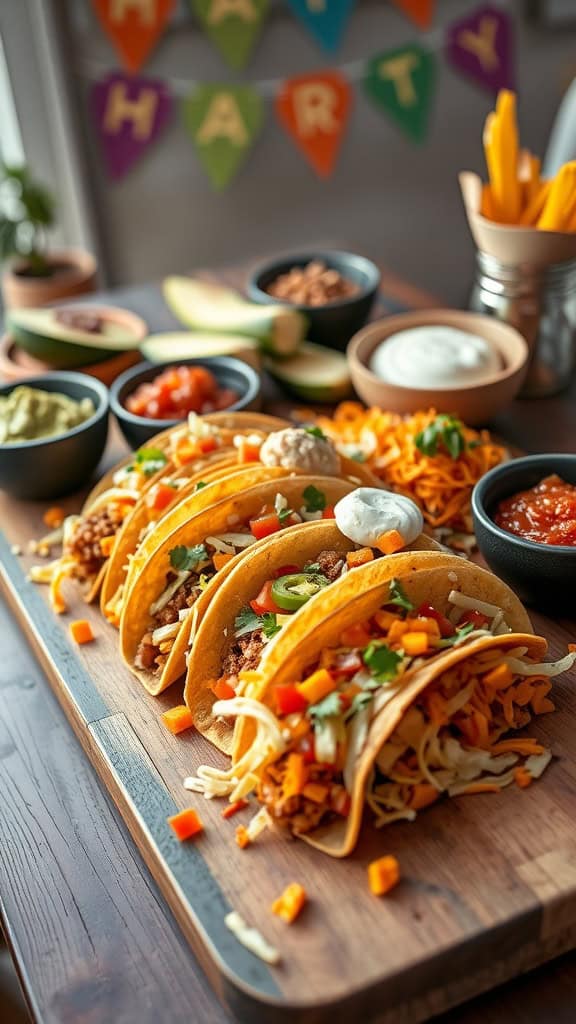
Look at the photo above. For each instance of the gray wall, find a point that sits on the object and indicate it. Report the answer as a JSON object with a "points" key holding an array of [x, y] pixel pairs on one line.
{"points": [[396, 201]]}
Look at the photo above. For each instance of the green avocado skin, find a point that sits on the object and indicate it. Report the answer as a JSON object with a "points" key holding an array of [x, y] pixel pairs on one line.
{"points": [[62, 353]]}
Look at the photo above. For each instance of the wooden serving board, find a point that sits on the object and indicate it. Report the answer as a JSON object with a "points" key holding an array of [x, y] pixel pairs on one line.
{"points": [[488, 885]]}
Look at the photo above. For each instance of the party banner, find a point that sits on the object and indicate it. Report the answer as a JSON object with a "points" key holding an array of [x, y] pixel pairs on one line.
{"points": [[130, 114], [420, 12], [481, 47], [224, 122], [402, 82], [314, 110], [134, 27], [234, 26], [326, 20]]}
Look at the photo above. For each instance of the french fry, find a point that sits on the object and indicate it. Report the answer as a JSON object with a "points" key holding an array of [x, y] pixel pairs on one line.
{"points": [[558, 205], [493, 165], [488, 206], [530, 215], [506, 140]]}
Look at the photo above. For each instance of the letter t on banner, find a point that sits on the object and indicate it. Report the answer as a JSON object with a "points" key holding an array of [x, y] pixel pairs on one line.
{"points": [[402, 82], [481, 46], [314, 110]]}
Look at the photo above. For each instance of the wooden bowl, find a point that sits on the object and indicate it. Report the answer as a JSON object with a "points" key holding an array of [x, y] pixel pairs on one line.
{"points": [[18, 365], [473, 403]]}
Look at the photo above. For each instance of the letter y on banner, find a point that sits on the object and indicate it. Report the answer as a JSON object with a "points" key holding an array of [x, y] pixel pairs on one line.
{"points": [[481, 46], [130, 114], [314, 110]]}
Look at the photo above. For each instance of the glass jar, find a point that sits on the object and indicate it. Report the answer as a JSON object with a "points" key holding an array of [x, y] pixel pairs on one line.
{"points": [[540, 302]]}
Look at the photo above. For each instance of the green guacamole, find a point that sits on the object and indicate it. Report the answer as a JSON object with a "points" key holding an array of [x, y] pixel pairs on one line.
{"points": [[28, 414]]}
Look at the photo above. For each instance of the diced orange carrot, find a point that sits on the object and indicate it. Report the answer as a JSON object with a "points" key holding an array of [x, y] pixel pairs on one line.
{"points": [[185, 452], [220, 560], [384, 620], [415, 643], [233, 809], [390, 542], [355, 636], [317, 686], [360, 557], [248, 452], [106, 545], [572, 648], [519, 746], [81, 631], [499, 678], [242, 837], [290, 903], [397, 630], [383, 875], [54, 517], [185, 824], [178, 719], [296, 775], [423, 794], [222, 689], [421, 623], [480, 787], [315, 791], [522, 777]]}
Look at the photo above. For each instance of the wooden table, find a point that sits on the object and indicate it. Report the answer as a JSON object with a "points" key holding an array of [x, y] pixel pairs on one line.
{"points": [[91, 936]]}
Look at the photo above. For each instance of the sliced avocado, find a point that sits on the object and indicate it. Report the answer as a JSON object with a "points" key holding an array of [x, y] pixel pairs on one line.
{"points": [[279, 330], [316, 373], [188, 345], [68, 337]]}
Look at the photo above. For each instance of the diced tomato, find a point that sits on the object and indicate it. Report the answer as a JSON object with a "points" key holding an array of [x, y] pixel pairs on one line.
{"points": [[472, 615], [264, 602], [347, 663], [286, 570], [248, 452], [340, 801], [222, 690], [289, 700], [328, 512], [206, 444], [160, 497], [427, 611], [264, 526], [178, 391]]}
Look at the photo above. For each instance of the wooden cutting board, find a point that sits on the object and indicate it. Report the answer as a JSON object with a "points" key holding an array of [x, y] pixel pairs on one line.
{"points": [[488, 884]]}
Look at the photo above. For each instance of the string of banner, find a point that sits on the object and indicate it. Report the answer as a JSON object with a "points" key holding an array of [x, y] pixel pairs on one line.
{"points": [[225, 120]]}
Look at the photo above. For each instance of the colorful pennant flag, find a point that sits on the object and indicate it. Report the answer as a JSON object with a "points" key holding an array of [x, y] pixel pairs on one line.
{"points": [[130, 114], [314, 110], [224, 122], [420, 12], [481, 47], [326, 20], [134, 27], [234, 26], [402, 82]]}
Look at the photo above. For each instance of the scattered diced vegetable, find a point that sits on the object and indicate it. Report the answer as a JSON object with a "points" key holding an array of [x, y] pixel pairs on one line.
{"points": [[383, 875], [81, 631], [185, 824], [360, 557], [178, 719], [54, 517], [317, 686], [233, 809], [390, 542], [222, 689], [290, 904]]}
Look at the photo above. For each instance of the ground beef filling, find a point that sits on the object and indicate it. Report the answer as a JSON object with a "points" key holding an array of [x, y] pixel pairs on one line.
{"points": [[330, 564], [84, 545], [245, 653], [152, 657], [296, 814]]}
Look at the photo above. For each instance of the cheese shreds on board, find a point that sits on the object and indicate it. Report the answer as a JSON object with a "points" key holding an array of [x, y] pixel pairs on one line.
{"points": [[251, 938]]}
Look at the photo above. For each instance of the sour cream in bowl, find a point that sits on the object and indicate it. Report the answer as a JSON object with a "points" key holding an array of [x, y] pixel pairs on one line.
{"points": [[435, 355], [368, 512]]}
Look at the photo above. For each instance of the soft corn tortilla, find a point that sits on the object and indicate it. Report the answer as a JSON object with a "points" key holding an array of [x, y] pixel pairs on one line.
{"points": [[150, 581], [214, 626]]}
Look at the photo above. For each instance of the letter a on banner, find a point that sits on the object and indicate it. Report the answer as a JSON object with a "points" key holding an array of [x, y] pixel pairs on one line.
{"points": [[481, 46], [234, 26], [224, 121], [326, 20], [314, 110], [402, 82], [130, 114], [134, 27]]}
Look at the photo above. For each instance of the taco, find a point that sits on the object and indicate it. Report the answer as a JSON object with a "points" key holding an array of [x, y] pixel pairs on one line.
{"points": [[398, 696], [158, 613], [251, 608]]}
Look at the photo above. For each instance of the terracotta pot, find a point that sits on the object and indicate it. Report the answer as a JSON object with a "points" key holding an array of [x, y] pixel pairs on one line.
{"points": [[75, 275]]}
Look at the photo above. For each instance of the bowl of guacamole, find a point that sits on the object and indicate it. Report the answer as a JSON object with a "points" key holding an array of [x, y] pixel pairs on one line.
{"points": [[53, 432]]}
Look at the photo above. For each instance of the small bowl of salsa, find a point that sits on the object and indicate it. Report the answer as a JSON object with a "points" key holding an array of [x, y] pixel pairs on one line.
{"points": [[151, 397], [525, 523]]}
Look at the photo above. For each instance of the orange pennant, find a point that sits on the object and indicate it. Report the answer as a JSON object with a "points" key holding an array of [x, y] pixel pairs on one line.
{"points": [[420, 12], [314, 110], [134, 27]]}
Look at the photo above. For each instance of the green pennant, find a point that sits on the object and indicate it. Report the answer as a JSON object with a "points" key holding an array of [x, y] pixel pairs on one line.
{"points": [[402, 82], [224, 121], [234, 26]]}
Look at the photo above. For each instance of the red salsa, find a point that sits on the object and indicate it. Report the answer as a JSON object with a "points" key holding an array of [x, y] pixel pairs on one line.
{"points": [[545, 514], [178, 391]]}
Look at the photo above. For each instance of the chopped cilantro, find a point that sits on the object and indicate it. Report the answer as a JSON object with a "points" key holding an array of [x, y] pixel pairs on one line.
{"points": [[381, 662], [313, 567], [247, 621], [329, 707], [445, 430], [316, 432], [150, 460], [461, 632], [285, 514], [184, 559], [200, 485], [398, 597], [315, 500], [269, 625]]}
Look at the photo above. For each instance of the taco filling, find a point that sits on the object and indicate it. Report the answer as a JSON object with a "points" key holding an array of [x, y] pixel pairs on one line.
{"points": [[192, 568]]}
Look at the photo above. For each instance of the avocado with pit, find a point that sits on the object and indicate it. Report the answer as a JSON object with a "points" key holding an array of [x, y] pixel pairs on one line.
{"points": [[69, 337]]}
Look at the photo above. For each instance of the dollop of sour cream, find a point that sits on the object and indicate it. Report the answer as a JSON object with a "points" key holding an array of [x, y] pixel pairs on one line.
{"points": [[368, 512], [434, 356]]}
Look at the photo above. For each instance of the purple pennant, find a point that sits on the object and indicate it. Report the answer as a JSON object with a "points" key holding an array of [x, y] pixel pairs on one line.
{"points": [[481, 46], [130, 114]]}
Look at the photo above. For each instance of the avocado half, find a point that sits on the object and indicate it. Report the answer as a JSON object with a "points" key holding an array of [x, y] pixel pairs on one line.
{"points": [[98, 334], [316, 373]]}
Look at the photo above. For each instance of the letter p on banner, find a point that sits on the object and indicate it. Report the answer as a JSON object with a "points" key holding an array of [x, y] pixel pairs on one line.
{"points": [[314, 110]]}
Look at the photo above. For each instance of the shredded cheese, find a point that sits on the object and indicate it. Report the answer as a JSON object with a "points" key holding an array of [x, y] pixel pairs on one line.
{"points": [[251, 939]]}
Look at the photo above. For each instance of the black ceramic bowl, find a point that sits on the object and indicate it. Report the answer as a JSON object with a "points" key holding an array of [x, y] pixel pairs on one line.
{"points": [[335, 323], [543, 575], [229, 372], [55, 466]]}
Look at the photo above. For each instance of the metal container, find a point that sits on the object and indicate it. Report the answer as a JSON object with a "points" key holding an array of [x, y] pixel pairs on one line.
{"points": [[541, 303]]}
